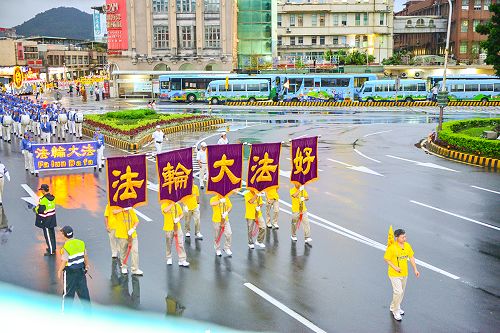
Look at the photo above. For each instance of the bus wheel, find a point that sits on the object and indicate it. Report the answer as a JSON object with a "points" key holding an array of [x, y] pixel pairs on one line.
{"points": [[214, 101], [295, 99], [331, 100], [191, 98], [484, 99], [370, 100], [408, 99], [251, 100]]}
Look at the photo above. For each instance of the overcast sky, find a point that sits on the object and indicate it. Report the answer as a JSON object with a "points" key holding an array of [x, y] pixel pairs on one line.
{"points": [[15, 12]]}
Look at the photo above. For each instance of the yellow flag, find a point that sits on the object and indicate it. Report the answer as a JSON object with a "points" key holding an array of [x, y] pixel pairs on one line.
{"points": [[227, 82], [390, 237]]}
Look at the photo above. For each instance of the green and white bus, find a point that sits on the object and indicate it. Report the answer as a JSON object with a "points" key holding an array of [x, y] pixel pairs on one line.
{"points": [[390, 90], [249, 90]]}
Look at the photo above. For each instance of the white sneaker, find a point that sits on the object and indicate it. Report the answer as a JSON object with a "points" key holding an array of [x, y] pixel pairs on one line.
{"points": [[138, 272], [269, 225], [199, 235], [228, 252], [397, 316], [260, 245], [275, 226], [188, 234], [294, 238], [309, 240], [124, 270], [251, 246], [169, 261], [401, 312], [218, 253], [183, 263]]}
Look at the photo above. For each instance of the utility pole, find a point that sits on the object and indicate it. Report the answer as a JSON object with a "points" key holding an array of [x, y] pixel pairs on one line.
{"points": [[443, 94]]}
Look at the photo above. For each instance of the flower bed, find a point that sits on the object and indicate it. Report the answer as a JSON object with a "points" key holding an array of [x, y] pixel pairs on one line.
{"points": [[452, 137]]}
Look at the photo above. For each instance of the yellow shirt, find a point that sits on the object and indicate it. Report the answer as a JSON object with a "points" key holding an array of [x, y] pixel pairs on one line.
{"points": [[399, 257], [217, 213], [111, 216], [123, 222], [272, 194], [250, 208], [191, 201], [296, 201], [168, 218]]}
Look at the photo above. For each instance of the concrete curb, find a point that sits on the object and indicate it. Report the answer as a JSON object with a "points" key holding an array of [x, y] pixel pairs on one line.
{"points": [[364, 104], [471, 159]]}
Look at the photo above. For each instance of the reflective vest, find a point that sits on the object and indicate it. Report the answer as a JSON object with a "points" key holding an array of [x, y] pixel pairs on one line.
{"points": [[50, 207], [76, 253]]}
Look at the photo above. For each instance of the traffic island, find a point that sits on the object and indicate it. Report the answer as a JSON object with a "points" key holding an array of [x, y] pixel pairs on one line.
{"points": [[132, 129], [466, 141]]}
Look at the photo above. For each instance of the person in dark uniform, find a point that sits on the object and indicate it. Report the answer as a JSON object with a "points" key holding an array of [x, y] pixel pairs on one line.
{"points": [[74, 266], [46, 219]]}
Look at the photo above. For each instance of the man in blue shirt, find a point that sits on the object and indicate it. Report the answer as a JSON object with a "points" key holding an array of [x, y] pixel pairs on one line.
{"points": [[27, 150], [99, 137], [46, 130]]}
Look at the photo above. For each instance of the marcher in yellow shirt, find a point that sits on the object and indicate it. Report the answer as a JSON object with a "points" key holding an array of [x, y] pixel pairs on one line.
{"points": [[172, 215], [221, 206], [192, 203], [397, 256], [299, 211], [253, 215], [272, 208], [126, 222], [110, 224]]}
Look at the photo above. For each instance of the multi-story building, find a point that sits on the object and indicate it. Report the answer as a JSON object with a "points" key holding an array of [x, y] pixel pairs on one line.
{"points": [[466, 16], [309, 28], [174, 35]]}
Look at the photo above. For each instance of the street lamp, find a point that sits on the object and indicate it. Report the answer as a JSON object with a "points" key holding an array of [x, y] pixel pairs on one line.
{"points": [[444, 94]]}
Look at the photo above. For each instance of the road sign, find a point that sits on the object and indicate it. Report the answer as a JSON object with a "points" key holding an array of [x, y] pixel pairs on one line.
{"points": [[442, 98]]}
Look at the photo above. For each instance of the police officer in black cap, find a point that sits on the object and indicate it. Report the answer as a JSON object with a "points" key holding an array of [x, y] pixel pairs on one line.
{"points": [[46, 218]]}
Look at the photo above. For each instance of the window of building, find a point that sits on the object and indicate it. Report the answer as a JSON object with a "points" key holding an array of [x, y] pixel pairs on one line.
{"points": [[487, 4], [280, 20], [382, 19], [464, 26], [343, 40], [365, 18], [160, 6], [476, 48], [300, 40], [300, 20], [314, 20], [187, 37], [186, 6], [357, 41], [431, 23], [420, 22], [409, 23], [280, 41], [322, 20], [292, 20], [475, 24], [344, 19], [357, 19], [212, 6], [212, 36], [465, 4], [160, 35], [463, 46], [321, 40], [477, 5], [292, 41], [335, 40], [314, 40], [80, 60], [335, 19], [365, 41]]}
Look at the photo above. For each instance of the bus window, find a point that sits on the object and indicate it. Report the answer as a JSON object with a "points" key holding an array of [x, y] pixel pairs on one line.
{"points": [[358, 81], [392, 87], [409, 87], [421, 87], [380, 88], [222, 87], [293, 85], [175, 84], [308, 83], [263, 87], [164, 84], [471, 87], [457, 87], [367, 89], [497, 87], [253, 87], [238, 87], [486, 87], [343, 82]]}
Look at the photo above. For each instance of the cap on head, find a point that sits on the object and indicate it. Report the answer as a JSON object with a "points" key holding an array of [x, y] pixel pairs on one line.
{"points": [[223, 133], [44, 187], [157, 126], [67, 231], [203, 144]]}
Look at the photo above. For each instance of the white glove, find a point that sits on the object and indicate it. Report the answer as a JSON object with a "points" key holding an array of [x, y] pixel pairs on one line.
{"points": [[222, 200], [261, 194], [302, 199], [257, 208], [224, 215], [176, 220], [127, 208], [131, 231], [186, 209], [301, 188]]}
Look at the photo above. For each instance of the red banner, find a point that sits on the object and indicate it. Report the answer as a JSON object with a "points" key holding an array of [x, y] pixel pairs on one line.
{"points": [[117, 24], [263, 166], [225, 168], [127, 180], [175, 172], [304, 160]]}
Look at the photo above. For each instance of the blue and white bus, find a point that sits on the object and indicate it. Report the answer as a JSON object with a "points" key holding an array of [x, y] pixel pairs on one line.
{"points": [[249, 90], [435, 79], [322, 87], [188, 87], [483, 90], [409, 90]]}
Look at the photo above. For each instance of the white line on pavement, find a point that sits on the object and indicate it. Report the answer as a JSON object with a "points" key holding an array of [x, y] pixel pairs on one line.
{"points": [[357, 168], [485, 189], [367, 135], [30, 191], [284, 308], [339, 162], [424, 164], [142, 215], [456, 215], [360, 153], [286, 174]]}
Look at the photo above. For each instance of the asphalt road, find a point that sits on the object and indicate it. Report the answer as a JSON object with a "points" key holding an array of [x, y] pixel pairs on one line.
{"points": [[371, 176]]}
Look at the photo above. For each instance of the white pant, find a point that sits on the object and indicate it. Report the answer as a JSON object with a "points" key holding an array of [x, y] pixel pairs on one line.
{"points": [[36, 128], [78, 128], [60, 131], [158, 147], [203, 174], [6, 132], [53, 125], [113, 242], [398, 291], [100, 157], [45, 136], [71, 127], [17, 128], [1, 189]]}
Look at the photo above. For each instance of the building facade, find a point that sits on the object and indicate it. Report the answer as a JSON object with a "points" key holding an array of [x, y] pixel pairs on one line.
{"points": [[466, 16], [420, 35], [309, 28], [175, 35]]}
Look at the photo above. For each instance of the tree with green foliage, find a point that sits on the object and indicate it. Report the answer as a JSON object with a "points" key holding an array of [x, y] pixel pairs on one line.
{"points": [[397, 58], [492, 44]]}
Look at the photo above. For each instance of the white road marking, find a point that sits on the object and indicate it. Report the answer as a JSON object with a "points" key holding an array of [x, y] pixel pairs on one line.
{"points": [[424, 164], [284, 308], [361, 154], [485, 189], [456, 215], [286, 174], [367, 135], [30, 192], [357, 168], [142, 215]]}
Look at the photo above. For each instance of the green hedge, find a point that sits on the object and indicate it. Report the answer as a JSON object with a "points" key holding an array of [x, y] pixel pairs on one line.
{"points": [[450, 136], [130, 114]]}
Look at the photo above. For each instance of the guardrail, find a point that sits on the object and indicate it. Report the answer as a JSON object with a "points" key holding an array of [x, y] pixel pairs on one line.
{"points": [[487, 162], [363, 104]]}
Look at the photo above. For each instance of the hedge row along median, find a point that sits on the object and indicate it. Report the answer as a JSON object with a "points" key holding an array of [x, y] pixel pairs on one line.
{"points": [[451, 138]]}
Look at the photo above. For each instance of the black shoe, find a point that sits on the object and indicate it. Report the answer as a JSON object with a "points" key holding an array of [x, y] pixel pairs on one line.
{"points": [[48, 254]]}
